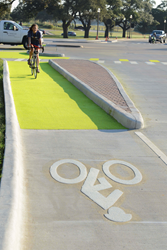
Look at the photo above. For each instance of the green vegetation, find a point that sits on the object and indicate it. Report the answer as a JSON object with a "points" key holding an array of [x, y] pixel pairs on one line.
{"points": [[116, 33], [123, 13], [2, 118]]}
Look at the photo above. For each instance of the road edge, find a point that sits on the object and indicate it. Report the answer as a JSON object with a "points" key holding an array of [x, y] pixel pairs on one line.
{"points": [[132, 120], [12, 198]]}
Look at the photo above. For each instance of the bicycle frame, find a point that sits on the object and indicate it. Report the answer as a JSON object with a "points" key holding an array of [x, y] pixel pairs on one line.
{"points": [[34, 63]]}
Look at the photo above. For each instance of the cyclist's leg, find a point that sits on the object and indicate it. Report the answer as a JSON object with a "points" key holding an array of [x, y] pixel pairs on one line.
{"points": [[38, 63], [30, 56]]}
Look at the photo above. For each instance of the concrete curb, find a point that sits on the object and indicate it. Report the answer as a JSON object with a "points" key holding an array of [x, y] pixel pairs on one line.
{"points": [[51, 55], [47, 54], [132, 120], [138, 119], [64, 45], [82, 41], [12, 183]]}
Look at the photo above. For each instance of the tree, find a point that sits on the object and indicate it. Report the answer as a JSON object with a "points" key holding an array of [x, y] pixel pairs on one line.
{"points": [[5, 7], [160, 14], [131, 11], [65, 11], [112, 13], [88, 12], [43, 16], [162, 5], [28, 9], [19, 13], [146, 20]]}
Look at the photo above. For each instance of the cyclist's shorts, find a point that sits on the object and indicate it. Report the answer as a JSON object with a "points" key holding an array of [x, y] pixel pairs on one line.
{"points": [[36, 44]]}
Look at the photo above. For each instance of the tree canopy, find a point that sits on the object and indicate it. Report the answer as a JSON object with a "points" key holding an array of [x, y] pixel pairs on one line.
{"points": [[123, 13], [5, 7]]}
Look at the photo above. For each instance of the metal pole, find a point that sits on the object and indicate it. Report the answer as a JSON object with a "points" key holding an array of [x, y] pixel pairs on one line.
{"points": [[130, 24], [97, 37], [98, 26], [164, 24]]}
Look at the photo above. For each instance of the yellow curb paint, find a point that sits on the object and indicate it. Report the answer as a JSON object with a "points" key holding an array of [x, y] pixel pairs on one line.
{"points": [[94, 59], [124, 60], [154, 61]]}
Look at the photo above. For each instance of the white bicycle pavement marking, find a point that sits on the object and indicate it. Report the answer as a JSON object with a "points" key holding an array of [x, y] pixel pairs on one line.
{"points": [[135, 180], [91, 190], [56, 176]]}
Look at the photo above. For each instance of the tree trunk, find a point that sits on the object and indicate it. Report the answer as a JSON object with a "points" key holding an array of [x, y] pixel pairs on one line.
{"points": [[65, 30], [106, 31], [86, 32], [124, 32], [87, 26], [124, 29]]}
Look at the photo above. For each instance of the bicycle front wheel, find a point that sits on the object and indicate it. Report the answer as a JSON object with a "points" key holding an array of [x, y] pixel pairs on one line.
{"points": [[32, 67], [35, 67]]}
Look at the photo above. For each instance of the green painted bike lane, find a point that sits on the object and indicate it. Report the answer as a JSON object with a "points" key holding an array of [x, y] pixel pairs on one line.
{"points": [[52, 102]]}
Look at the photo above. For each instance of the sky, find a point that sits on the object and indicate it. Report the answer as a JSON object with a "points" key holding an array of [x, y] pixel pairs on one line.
{"points": [[17, 1]]}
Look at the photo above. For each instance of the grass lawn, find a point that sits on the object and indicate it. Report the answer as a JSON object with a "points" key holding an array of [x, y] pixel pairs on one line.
{"points": [[92, 34], [2, 118]]}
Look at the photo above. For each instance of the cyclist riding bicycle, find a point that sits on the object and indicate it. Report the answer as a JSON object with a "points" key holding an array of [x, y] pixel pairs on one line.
{"points": [[34, 38]]}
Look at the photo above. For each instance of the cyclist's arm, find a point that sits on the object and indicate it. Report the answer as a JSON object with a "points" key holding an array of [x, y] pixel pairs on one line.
{"points": [[29, 41], [40, 42]]}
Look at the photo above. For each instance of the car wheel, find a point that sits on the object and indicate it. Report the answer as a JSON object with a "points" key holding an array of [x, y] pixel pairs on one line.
{"points": [[25, 42], [164, 40], [161, 41]]}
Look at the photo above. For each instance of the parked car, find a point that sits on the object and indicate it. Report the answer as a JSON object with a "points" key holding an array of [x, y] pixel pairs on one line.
{"points": [[160, 36], [70, 33], [12, 33], [79, 28]]}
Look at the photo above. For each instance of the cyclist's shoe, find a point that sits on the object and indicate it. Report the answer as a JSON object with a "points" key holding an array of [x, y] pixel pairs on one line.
{"points": [[38, 71], [29, 62]]}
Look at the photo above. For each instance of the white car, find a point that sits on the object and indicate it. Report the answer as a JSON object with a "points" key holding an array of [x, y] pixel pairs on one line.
{"points": [[12, 33]]}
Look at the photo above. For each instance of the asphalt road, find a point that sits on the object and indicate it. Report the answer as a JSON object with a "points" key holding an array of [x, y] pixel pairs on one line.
{"points": [[118, 207]]}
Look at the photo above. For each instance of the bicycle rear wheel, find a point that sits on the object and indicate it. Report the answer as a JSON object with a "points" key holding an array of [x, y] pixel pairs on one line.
{"points": [[35, 67]]}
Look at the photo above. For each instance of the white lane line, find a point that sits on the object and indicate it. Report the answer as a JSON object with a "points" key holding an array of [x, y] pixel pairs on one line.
{"points": [[150, 63], [104, 222], [100, 61], [20, 59], [164, 63], [117, 62], [156, 150], [131, 62], [148, 222]]}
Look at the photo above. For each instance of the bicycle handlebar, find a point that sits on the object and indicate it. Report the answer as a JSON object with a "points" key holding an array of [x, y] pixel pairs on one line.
{"points": [[32, 46]]}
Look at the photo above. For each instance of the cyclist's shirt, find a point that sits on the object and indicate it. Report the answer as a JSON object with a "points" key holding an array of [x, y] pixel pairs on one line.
{"points": [[34, 37]]}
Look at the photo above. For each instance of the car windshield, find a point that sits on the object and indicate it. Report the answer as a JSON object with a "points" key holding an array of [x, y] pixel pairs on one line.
{"points": [[158, 32], [19, 26]]}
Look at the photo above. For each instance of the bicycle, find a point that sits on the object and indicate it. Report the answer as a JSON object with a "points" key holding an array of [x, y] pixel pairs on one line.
{"points": [[33, 62]]}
